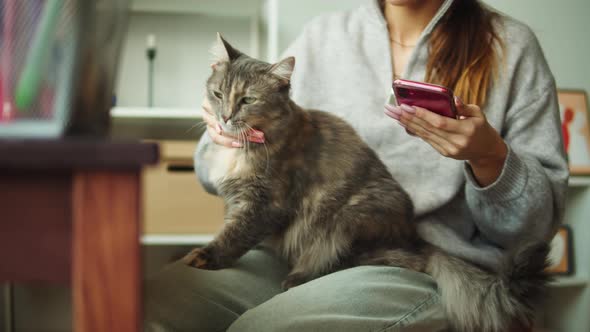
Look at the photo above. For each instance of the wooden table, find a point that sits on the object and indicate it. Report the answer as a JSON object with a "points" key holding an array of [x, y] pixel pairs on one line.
{"points": [[70, 212]]}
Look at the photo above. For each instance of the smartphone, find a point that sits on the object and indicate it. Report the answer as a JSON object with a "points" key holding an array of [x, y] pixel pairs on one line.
{"points": [[435, 98]]}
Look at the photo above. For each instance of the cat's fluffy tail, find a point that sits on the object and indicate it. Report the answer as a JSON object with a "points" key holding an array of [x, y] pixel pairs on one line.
{"points": [[475, 299]]}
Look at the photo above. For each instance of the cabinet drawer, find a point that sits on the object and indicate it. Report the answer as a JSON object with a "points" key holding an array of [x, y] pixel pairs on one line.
{"points": [[174, 202]]}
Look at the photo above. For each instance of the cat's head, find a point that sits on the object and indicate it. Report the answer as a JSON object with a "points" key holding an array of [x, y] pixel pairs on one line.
{"points": [[245, 92]]}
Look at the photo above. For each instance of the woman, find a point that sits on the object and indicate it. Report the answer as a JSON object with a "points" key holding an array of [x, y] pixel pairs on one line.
{"points": [[481, 185]]}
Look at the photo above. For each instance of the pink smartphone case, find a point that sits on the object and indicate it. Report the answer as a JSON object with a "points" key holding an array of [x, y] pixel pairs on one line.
{"points": [[434, 98]]}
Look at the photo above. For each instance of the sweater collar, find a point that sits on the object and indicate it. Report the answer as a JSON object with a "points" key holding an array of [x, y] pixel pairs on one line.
{"points": [[373, 9]]}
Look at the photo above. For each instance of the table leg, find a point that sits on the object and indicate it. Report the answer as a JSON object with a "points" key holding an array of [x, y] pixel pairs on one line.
{"points": [[8, 307], [106, 252]]}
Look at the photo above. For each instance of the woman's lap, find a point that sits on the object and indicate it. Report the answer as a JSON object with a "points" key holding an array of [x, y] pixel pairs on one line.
{"points": [[182, 298], [248, 297]]}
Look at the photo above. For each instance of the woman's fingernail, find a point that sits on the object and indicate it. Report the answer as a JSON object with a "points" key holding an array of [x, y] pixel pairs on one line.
{"points": [[256, 133], [458, 100], [236, 144], [392, 114], [219, 129], [410, 132], [256, 139], [393, 109], [408, 108]]}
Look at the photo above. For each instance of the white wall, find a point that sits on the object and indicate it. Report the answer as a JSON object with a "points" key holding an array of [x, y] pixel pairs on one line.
{"points": [[183, 58], [562, 28]]}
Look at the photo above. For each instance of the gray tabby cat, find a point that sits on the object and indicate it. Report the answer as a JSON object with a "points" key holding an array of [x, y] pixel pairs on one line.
{"points": [[324, 200]]}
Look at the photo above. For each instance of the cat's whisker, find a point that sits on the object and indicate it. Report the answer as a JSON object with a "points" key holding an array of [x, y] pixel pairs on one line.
{"points": [[265, 148], [249, 128], [247, 141], [203, 124], [244, 133], [245, 138], [267, 157]]}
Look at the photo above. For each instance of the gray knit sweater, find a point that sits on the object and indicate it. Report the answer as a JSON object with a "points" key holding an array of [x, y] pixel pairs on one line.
{"points": [[344, 67]]}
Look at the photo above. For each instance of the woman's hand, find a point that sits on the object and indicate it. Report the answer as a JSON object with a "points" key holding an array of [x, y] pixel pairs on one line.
{"points": [[219, 137], [469, 138]]}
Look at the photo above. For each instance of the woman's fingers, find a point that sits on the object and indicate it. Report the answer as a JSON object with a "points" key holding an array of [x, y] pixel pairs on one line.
{"points": [[229, 142], [219, 136], [470, 110], [445, 143], [436, 121], [255, 136], [439, 143], [210, 120], [437, 147], [215, 131], [456, 139]]}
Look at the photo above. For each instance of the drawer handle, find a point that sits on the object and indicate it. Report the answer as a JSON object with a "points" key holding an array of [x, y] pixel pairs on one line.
{"points": [[181, 168]]}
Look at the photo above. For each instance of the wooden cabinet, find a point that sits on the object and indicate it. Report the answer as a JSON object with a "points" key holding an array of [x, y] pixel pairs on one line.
{"points": [[174, 202]]}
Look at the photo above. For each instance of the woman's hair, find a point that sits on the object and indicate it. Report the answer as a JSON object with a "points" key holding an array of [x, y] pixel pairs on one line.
{"points": [[463, 51]]}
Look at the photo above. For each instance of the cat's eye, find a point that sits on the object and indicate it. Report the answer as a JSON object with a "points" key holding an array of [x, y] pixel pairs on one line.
{"points": [[248, 100], [218, 94]]}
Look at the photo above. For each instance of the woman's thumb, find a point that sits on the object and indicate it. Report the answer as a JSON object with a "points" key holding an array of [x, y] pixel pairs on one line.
{"points": [[470, 110]]}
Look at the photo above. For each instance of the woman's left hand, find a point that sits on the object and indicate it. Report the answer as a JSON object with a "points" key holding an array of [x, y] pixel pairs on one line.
{"points": [[469, 138]]}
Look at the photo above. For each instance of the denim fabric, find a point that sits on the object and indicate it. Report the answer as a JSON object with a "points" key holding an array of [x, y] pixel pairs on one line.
{"points": [[248, 297]]}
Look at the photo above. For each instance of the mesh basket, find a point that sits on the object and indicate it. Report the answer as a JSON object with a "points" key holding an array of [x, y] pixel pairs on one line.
{"points": [[58, 60]]}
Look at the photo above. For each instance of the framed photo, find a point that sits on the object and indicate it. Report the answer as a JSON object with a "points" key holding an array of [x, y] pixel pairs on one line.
{"points": [[575, 127], [561, 258]]}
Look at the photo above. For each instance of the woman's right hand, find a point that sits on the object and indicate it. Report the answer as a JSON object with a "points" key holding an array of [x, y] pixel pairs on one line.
{"points": [[219, 137]]}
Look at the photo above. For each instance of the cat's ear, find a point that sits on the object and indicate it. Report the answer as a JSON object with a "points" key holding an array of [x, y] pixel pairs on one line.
{"points": [[284, 68], [223, 51]]}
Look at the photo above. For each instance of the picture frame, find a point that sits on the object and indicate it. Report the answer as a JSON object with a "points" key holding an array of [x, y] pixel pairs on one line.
{"points": [[575, 127], [561, 256]]}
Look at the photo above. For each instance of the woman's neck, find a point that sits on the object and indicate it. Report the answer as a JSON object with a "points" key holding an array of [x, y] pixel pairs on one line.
{"points": [[406, 23]]}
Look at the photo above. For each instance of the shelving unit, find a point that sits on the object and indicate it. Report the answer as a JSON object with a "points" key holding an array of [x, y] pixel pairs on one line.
{"points": [[185, 31], [222, 8], [155, 113], [569, 281], [568, 304], [180, 240], [579, 181]]}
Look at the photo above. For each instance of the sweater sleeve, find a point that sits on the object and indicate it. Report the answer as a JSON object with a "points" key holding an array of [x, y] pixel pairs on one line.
{"points": [[201, 165], [526, 202]]}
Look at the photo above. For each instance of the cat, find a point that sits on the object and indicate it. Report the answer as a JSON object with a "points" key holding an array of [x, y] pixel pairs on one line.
{"points": [[322, 198]]}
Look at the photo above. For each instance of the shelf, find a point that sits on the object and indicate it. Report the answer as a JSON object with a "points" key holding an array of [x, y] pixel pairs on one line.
{"points": [[175, 239], [225, 8], [159, 113], [569, 281], [579, 181]]}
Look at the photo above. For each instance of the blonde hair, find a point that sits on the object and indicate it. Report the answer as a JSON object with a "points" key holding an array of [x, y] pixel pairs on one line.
{"points": [[464, 51]]}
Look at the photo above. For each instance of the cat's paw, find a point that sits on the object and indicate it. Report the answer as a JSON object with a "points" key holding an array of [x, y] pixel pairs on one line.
{"points": [[294, 280], [200, 258]]}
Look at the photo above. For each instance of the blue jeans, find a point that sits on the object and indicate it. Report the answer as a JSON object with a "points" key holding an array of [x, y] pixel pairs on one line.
{"points": [[248, 297]]}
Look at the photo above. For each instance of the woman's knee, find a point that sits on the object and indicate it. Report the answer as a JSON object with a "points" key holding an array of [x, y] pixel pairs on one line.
{"points": [[359, 299]]}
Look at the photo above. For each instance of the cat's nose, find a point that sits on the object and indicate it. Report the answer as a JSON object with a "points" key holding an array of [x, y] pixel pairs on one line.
{"points": [[225, 118]]}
